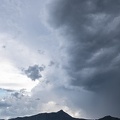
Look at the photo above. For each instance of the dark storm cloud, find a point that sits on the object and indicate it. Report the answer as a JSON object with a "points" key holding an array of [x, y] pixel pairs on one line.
{"points": [[92, 28], [33, 72]]}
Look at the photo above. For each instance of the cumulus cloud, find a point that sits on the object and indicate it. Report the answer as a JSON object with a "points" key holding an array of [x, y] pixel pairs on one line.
{"points": [[2, 105], [29, 43], [12, 79], [91, 30], [18, 101], [28, 103], [33, 72]]}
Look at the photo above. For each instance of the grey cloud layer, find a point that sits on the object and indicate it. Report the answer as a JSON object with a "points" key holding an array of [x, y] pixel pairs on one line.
{"points": [[3, 104], [92, 29]]}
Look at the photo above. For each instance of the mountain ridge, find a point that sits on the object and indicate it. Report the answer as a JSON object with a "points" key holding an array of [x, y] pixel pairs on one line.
{"points": [[60, 115]]}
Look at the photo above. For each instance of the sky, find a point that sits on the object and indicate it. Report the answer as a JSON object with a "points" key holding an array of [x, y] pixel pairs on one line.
{"points": [[60, 54]]}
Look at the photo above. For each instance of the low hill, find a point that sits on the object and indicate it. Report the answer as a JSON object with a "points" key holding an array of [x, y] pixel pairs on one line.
{"points": [[60, 115]]}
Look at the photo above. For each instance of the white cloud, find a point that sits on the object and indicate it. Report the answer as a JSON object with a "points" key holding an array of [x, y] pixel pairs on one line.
{"points": [[11, 78], [24, 31], [14, 57]]}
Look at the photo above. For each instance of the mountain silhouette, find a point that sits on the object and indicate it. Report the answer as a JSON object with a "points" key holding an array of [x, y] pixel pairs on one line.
{"points": [[60, 115], [109, 118]]}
